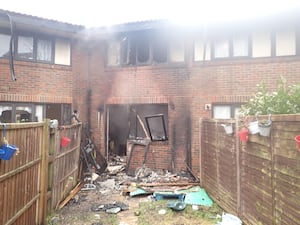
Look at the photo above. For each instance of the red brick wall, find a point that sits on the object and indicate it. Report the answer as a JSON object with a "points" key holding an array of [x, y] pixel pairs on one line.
{"points": [[36, 82], [185, 88]]}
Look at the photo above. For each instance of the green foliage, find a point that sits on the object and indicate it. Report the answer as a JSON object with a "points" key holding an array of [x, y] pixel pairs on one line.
{"points": [[285, 100]]}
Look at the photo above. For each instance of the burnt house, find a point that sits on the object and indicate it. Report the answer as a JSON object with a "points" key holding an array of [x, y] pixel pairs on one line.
{"points": [[147, 79]]}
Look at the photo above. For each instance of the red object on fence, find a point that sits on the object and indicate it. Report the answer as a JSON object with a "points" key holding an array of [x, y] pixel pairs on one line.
{"points": [[297, 139], [65, 141], [243, 135]]}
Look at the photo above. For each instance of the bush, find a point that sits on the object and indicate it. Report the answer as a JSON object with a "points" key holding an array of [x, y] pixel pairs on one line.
{"points": [[286, 100]]}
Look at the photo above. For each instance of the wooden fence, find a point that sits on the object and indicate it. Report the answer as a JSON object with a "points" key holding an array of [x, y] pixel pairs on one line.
{"points": [[35, 180], [258, 180]]}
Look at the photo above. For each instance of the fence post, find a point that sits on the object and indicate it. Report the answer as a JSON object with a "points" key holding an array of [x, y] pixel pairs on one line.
{"points": [[238, 166], [44, 175]]}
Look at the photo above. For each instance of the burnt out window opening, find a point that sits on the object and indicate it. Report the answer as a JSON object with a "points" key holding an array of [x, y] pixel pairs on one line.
{"points": [[143, 49], [156, 127], [158, 124], [36, 48]]}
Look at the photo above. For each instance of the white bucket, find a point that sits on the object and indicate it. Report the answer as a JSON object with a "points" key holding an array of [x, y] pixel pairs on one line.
{"points": [[229, 219], [228, 128], [253, 127], [265, 130]]}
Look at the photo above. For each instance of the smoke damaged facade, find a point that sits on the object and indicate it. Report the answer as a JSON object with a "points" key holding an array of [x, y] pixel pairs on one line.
{"points": [[173, 75]]}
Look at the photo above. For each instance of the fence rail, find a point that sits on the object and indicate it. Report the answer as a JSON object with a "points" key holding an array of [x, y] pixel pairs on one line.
{"points": [[258, 180], [35, 180]]}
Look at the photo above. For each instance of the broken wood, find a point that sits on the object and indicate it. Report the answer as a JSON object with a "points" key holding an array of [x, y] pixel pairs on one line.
{"points": [[167, 184], [192, 173], [73, 192]]}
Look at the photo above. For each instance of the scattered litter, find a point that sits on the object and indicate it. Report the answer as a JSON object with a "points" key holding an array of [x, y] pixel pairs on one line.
{"points": [[229, 219], [137, 213], [113, 210], [162, 212], [110, 208], [138, 191], [168, 195], [87, 187], [198, 196], [195, 207], [176, 205]]}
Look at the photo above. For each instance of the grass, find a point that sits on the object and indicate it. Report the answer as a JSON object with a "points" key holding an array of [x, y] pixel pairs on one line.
{"points": [[149, 214]]}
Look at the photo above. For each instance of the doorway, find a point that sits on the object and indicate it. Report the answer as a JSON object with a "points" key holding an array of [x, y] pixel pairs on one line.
{"points": [[123, 124]]}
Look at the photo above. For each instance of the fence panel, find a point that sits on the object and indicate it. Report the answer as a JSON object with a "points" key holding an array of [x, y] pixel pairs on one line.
{"points": [[218, 160], [20, 176], [266, 171], [64, 166]]}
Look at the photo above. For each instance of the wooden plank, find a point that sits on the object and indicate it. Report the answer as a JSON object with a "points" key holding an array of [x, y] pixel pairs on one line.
{"points": [[70, 196]]}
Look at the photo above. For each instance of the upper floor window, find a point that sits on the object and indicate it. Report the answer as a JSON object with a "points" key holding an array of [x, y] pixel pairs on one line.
{"points": [[261, 43], [37, 49], [240, 46], [4, 45], [44, 50], [144, 49], [285, 42], [221, 48]]}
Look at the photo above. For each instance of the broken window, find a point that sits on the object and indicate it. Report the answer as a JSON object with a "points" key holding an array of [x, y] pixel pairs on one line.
{"points": [[160, 51], [176, 51], [136, 129], [143, 50], [221, 48], [156, 127], [113, 53]]}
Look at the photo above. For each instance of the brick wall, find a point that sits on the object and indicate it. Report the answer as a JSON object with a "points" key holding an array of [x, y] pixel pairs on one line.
{"points": [[184, 88], [36, 82]]}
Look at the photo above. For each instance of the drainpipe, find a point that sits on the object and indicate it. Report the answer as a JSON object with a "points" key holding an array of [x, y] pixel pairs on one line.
{"points": [[11, 43]]}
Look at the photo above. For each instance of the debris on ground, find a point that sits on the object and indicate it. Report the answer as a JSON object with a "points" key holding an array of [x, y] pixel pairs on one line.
{"points": [[113, 192]]}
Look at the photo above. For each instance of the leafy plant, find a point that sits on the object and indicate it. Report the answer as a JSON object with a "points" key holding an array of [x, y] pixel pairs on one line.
{"points": [[285, 100]]}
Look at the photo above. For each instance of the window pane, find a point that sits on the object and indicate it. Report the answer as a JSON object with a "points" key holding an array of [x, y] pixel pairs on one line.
{"points": [[240, 46], [221, 112], [6, 114], [44, 50], [25, 47], [143, 50], [286, 43], [39, 112], [177, 51], [62, 52], [23, 114], [4, 45], [199, 50], [221, 49], [113, 53], [261, 44], [160, 51]]}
